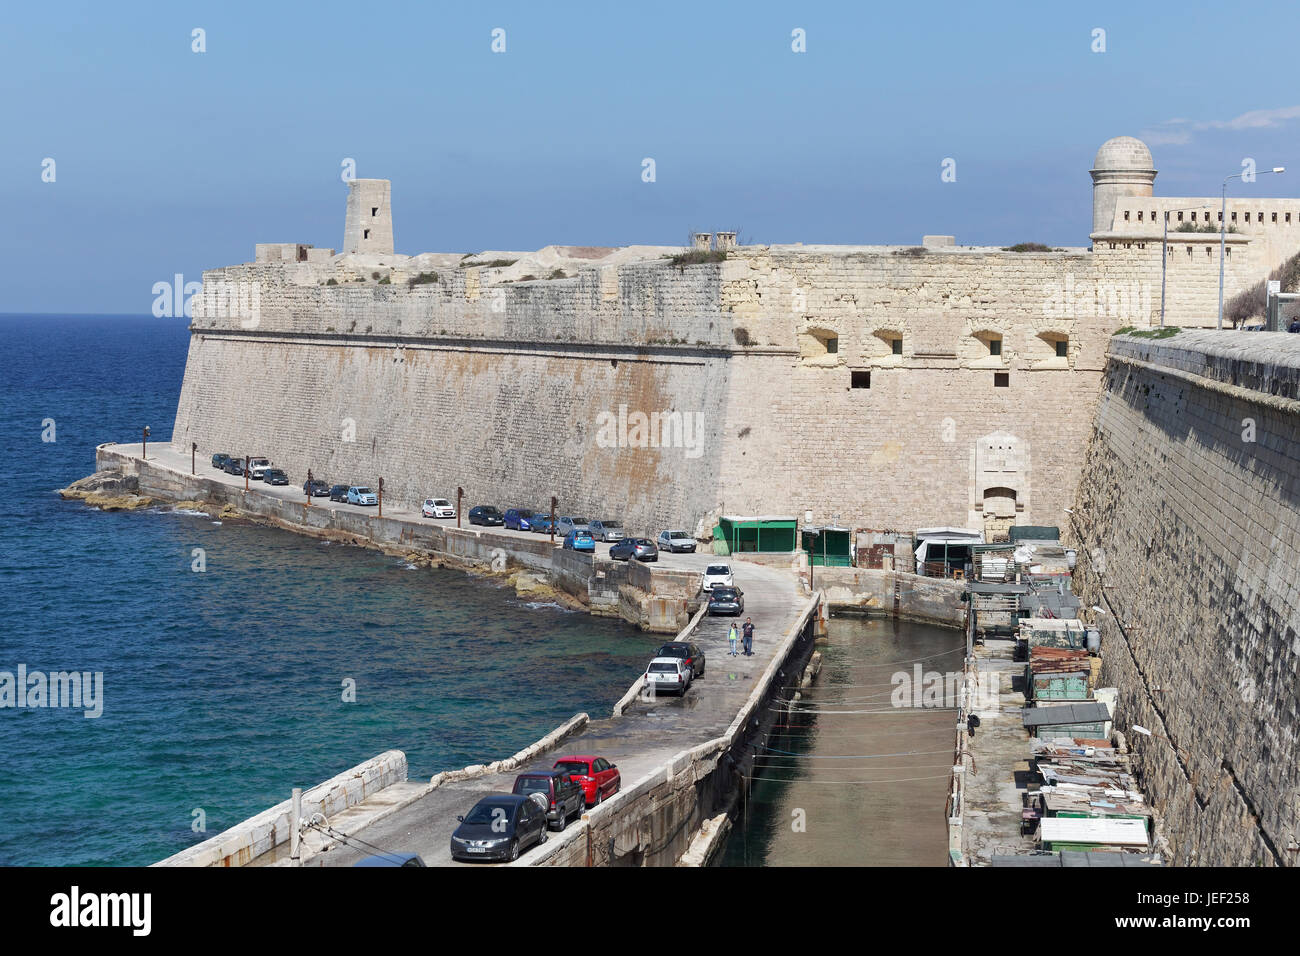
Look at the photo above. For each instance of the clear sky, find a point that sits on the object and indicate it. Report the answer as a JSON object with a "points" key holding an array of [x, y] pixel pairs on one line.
{"points": [[171, 161]]}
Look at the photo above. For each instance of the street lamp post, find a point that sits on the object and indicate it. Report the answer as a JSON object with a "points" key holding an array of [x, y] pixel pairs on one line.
{"points": [[1223, 226]]}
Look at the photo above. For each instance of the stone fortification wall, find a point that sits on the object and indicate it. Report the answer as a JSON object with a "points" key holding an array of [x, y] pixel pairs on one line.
{"points": [[1189, 530], [874, 386]]}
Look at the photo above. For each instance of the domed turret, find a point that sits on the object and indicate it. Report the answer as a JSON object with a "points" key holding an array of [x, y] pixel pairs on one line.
{"points": [[1123, 167]]}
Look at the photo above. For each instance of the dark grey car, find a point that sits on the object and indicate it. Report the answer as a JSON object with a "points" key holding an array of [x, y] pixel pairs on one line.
{"points": [[563, 797], [500, 827]]}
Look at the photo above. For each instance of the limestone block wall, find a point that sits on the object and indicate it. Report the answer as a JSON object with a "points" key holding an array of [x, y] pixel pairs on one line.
{"points": [[510, 389], [1188, 527]]}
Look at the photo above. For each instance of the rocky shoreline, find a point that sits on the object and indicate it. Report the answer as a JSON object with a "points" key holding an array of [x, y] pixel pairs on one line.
{"points": [[113, 490]]}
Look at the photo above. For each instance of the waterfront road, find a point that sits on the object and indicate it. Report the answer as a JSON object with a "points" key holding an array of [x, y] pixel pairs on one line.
{"points": [[648, 734], [165, 455]]}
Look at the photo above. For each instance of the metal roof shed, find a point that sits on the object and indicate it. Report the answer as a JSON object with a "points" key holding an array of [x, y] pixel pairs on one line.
{"points": [[759, 533], [829, 545]]}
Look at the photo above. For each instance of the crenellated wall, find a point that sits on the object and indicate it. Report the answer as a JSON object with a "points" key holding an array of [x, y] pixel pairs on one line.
{"points": [[1188, 522]]}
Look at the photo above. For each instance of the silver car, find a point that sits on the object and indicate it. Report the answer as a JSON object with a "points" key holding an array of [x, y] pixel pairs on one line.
{"points": [[569, 523], [674, 541], [608, 531]]}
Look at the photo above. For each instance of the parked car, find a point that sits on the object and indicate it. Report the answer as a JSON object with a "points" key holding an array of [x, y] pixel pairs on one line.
{"points": [[257, 467], [540, 522], [643, 549], [727, 601], [275, 476], [234, 467], [690, 655], [569, 523], [317, 488], [391, 859], [220, 461], [338, 493], [598, 778], [518, 519], [606, 530], [668, 674], [362, 495], [716, 575], [674, 541], [486, 515], [438, 508], [557, 794], [579, 541], [500, 827]]}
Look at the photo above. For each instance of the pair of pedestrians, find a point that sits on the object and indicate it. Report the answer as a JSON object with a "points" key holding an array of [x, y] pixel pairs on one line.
{"points": [[733, 636]]}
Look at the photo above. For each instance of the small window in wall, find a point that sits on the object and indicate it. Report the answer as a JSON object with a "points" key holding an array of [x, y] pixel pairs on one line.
{"points": [[995, 346], [365, 234], [1126, 215], [374, 210], [1247, 217], [860, 379], [832, 345], [1234, 217], [1274, 217], [1001, 380], [1180, 217], [896, 345], [1259, 217], [1139, 215], [1062, 348]]}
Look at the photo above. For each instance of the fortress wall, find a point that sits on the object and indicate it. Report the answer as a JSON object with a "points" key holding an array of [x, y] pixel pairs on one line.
{"points": [[511, 425], [635, 303], [1188, 520]]}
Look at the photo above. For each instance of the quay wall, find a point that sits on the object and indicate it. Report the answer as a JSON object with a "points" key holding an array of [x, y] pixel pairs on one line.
{"points": [[1188, 525], [242, 843], [657, 603]]}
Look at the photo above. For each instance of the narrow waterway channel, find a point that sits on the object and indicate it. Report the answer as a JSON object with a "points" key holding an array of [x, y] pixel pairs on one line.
{"points": [[851, 778]]}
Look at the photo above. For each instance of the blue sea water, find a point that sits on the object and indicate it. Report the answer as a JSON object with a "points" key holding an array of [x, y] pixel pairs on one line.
{"points": [[224, 689]]}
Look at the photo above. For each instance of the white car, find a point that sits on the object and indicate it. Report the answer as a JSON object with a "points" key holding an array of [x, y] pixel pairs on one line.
{"points": [[257, 468], [667, 674], [674, 541], [717, 574], [438, 508]]}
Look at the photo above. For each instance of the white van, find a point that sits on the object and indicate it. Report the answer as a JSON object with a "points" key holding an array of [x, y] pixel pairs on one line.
{"points": [[257, 468]]}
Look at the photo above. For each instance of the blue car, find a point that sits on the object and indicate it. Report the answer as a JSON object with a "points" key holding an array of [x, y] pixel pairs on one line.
{"points": [[519, 519], [362, 495], [579, 541], [540, 523]]}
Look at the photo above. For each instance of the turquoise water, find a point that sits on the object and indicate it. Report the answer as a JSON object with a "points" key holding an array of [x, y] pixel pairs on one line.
{"points": [[223, 688]]}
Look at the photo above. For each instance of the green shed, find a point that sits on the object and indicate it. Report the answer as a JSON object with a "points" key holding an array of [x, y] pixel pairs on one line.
{"points": [[828, 546], [761, 533]]}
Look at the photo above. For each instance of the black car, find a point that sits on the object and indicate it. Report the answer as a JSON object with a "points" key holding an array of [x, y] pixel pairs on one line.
{"points": [[316, 488], [339, 493], [486, 515], [690, 655], [234, 466], [220, 461], [563, 797], [275, 476], [500, 827], [643, 549], [726, 600]]}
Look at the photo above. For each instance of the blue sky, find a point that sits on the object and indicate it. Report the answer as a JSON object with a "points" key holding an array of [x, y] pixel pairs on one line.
{"points": [[172, 161]]}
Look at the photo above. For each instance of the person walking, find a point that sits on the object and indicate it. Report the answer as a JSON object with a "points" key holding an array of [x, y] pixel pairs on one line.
{"points": [[732, 636], [749, 636]]}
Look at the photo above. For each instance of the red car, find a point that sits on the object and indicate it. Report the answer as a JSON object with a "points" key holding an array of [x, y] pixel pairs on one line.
{"points": [[597, 777]]}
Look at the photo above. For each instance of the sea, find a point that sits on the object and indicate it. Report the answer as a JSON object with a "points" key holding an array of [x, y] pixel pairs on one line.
{"points": [[236, 661]]}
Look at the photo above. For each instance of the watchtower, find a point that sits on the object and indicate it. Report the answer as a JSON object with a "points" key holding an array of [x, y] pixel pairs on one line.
{"points": [[369, 226]]}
